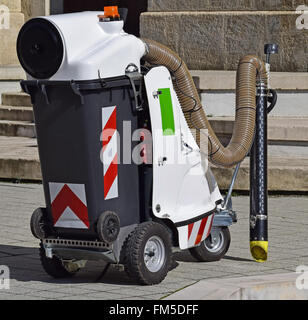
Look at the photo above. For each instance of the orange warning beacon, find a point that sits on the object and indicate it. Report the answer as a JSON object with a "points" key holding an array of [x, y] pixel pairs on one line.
{"points": [[110, 13]]}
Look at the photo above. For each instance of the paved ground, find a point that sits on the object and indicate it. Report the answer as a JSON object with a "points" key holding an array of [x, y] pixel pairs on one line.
{"points": [[18, 250]]}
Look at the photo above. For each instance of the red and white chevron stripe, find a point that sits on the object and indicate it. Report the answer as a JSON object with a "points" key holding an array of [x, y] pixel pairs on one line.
{"points": [[69, 205], [110, 152], [199, 231]]}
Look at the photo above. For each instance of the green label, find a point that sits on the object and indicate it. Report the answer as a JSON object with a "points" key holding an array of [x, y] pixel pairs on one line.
{"points": [[166, 109]]}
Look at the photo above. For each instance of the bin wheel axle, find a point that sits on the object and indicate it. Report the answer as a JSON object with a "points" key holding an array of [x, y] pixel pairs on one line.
{"points": [[108, 226]]}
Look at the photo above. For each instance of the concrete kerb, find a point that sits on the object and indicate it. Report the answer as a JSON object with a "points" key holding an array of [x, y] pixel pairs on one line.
{"points": [[268, 287]]}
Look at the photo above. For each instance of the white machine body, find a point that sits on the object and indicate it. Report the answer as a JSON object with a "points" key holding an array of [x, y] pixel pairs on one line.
{"points": [[184, 189], [106, 49]]}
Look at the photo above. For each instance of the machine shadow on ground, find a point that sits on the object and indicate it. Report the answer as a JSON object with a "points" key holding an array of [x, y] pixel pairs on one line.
{"points": [[25, 266], [185, 256]]}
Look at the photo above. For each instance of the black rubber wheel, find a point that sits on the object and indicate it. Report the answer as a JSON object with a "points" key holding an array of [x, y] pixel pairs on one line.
{"points": [[147, 253], [54, 266], [108, 226], [37, 224], [213, 250]]}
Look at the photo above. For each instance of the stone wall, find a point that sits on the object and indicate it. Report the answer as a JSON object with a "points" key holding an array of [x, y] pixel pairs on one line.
{"points": [[13, 5], [34, 8], [218, 5], [213, 35], [8, 56], [19, 12]]}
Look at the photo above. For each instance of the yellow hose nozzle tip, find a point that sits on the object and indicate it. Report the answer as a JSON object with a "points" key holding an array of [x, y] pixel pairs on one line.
{"points": [[259, 250]]}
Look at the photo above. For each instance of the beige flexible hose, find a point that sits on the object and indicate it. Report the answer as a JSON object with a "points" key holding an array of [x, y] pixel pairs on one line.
{"points": [[250, 69]]}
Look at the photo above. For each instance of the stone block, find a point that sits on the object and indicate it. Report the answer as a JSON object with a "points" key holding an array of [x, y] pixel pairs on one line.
{"points": [[34, 8], [219, 5], [9, 73], [13, 5], [8, 38]]}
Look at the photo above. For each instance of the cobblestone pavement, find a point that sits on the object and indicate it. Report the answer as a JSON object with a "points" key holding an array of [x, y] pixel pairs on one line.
{"points": [[288, 233]]}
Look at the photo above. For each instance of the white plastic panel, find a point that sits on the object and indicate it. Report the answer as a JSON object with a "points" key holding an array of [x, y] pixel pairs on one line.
{"points": [[180, 189]]}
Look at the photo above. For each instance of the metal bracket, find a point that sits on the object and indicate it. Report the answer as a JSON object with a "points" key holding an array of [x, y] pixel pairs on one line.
{"points": [[44, 91], [161, 161], [228, 196], [48, 252], [188, 147], [156, 94], [26, 89], [76, 90], [133, 76], [224, 218]]}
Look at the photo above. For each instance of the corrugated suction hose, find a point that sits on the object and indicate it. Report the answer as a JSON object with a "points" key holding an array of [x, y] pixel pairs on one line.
{"points": [[250, 70]]}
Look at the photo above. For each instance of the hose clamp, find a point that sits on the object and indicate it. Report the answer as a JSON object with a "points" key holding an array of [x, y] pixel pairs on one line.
{"points": [[254, 218], [146, 47], [261, 89]]}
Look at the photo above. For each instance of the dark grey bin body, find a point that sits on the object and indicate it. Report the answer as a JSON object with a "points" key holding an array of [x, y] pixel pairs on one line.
{"points": [[68, 120]]}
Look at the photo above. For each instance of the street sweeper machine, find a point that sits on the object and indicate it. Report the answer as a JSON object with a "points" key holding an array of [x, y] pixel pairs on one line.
{"points": [[125, 146]]}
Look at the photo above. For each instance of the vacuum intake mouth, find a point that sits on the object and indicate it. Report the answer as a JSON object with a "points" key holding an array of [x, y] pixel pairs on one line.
{"points": [[259, 250]]}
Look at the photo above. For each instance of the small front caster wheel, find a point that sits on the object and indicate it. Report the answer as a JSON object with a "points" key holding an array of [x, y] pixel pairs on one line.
{"points": [[214, 247], [148, 253], [55, 267]]}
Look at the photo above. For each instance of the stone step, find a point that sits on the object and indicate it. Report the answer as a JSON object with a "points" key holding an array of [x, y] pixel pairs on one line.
{"points": [[16, 113], [217, 91], [17, 121], [280, 130], [17, 128], [289, 104], [287, 170], [19, 158], [16, 99], [284, 174], [220, 80], [8, 86]]}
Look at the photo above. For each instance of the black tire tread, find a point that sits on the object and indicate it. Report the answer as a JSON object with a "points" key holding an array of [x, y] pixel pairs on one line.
{"points": [[36, 218], [132, 247]]}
